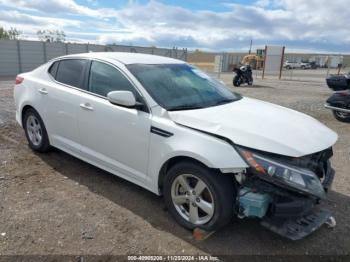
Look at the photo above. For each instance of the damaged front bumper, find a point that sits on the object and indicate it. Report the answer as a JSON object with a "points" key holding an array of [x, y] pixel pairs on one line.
{"points": [[298, 227], [299, 219], [289, 213]]}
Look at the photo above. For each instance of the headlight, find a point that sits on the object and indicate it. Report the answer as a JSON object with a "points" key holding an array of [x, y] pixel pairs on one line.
{"points": [[299, 178]]}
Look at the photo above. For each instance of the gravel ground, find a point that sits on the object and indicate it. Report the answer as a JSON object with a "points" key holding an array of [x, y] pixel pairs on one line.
{"points": [[56, 204]]}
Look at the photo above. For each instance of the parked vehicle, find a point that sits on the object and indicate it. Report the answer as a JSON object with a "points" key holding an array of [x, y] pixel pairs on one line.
{"points": [[243, 75], [305, 65], [296, 65], [314, 65], [170, 128], [291, 65], [339, 101]]}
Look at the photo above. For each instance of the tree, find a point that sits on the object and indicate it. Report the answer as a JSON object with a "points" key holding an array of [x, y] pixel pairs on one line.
{"points": [[3, 33], [11, 34], [14, 33], [51, 35]]}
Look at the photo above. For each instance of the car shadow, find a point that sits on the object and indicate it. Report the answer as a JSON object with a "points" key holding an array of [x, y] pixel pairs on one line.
{"points": [[240, 237]]}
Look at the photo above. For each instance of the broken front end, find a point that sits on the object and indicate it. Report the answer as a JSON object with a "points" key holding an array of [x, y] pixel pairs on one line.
{"points": [[285, 192]]}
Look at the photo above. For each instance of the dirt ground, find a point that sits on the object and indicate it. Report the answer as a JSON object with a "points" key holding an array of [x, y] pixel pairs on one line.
{"points": [[56, 204]]}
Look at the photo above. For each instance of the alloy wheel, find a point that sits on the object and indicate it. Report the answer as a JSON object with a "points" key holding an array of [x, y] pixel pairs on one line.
{"points": [[34, 130], [192, 199], [342, 114]]}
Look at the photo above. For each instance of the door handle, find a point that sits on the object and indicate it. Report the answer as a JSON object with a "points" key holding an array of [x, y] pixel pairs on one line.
{"points": [[86, 106], [43, 91]]}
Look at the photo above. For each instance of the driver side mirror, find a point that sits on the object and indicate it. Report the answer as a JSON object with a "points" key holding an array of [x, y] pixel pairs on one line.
{"points": [[122, 98]]}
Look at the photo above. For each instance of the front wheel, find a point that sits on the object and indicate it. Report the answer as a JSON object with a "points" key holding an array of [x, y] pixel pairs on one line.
{"points": [[199, 197], [250, 81], [236, 81]]}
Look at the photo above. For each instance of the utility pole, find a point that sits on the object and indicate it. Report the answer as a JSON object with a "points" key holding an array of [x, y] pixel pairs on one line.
{"points": [[250, 47]]}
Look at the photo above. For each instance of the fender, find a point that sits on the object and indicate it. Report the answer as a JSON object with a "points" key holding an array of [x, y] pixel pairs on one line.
{"points": [[187, 142]]}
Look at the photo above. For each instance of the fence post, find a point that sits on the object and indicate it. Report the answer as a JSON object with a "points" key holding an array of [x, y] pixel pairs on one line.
{"points": [[87, 47], [175, 52], [281, 66], [44, 52], [263, 72], [221, 60], [66, 46], [19, 57]]}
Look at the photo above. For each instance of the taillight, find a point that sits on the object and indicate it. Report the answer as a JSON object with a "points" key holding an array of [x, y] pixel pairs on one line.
{"points": [[19, 80]]}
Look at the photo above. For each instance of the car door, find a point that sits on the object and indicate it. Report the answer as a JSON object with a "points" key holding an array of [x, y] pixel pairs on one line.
{"points": [[63, 103], [113, 136]]}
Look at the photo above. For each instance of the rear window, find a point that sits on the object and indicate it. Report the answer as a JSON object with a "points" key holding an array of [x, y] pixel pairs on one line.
{"points": [[70, 71]]}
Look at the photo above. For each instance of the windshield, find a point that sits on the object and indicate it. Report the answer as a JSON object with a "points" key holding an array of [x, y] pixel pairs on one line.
{"points": [[181, 86]]}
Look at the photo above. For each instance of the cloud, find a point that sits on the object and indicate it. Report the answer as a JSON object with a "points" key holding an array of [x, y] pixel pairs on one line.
{"points": [[17, 18], [29, 24], [52, 6], [60, 7], [292, 22], [299, 24]]}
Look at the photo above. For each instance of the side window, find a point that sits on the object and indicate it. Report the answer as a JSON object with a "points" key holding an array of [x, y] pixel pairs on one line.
{"points": [[53, 69], [70, 71], [105, 78]]}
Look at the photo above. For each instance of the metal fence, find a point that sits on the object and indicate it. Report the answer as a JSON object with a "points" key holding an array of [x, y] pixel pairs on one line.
{"points": [[17, 56]]}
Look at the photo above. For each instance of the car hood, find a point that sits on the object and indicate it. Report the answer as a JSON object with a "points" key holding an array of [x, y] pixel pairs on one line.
{"points": [[261, 125]]}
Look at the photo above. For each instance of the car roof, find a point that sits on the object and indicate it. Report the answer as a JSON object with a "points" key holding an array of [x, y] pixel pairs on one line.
{"points": [[128, 58]]}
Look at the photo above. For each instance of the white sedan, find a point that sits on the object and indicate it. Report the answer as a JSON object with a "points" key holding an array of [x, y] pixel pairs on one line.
{"points": [[170, 128]]}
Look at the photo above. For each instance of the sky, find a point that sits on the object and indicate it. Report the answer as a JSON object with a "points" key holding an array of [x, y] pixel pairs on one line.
{"points": [[228, 25]]}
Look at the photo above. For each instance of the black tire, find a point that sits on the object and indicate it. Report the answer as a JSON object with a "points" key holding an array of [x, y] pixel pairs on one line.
{"points": [[44, 144], [236, 81], [222, 189], [250, 82], [342, 117]]}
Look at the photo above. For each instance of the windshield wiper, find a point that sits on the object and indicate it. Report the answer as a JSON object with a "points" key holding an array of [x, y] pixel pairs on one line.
{"points": [[184, 107]]}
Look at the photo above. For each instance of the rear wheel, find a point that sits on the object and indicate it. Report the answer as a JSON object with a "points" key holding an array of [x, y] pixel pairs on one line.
{"points": [[341, 116], [35, 131], [199, 197]]}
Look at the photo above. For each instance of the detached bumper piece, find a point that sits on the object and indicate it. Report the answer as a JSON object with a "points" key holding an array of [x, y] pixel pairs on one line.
{"points": [[299, 227], [328, 180]]}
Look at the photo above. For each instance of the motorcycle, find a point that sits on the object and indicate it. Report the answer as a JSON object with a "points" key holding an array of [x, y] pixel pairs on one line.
{"points": [[244, 75], [339, 102]]}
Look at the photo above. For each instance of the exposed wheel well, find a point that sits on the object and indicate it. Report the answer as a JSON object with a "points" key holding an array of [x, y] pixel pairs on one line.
{"points": [[170, 163], [24, 110]]}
